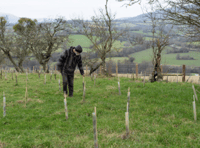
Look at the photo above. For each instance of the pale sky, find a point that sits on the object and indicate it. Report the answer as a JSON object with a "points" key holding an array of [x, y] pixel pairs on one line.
{"points": [[66, 8]]}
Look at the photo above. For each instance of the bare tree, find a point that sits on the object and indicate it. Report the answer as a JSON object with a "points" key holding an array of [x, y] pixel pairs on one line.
{"points": [[159, 41], [184, 13], [24, 29], [7, 41], [102, 33], [48, 38], [136, 39], [178, 12]]}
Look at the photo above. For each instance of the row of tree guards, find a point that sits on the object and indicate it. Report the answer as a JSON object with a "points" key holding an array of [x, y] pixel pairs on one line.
{"points": [[94, 115]]}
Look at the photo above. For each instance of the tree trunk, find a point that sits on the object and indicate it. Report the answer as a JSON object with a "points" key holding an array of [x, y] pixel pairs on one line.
{"points": [[45, 67], [20, 66], [94, 69], [159, 76], [104, 71], [13, 62]]}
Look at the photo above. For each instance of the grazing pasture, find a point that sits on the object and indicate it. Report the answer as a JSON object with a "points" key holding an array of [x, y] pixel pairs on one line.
{"points": [[160, 113]]}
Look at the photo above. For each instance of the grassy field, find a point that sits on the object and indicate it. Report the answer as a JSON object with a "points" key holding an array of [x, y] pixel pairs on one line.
{"points": [[85, 42], [168, 59], [160, 114]]}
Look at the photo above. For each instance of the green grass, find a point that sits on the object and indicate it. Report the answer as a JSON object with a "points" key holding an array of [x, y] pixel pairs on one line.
{"points": [[160, 114], [168, 59], [85, 42]]}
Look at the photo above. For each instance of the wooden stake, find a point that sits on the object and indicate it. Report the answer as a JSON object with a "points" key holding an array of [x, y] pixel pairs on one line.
{"points": [[183, 73], [177, 77], [127, 123], [16, 78], [95, 111], [119, 86], [51, 76], [65, 105], [83, 83], [94, 79], [4, 105], [39, 74], [95, 130], [133, 75], [144, 79], [194, 92], [26, 94], [128, 100], [136, 69], [84, 89], [92, 76], [59, 84], [194, 111]]}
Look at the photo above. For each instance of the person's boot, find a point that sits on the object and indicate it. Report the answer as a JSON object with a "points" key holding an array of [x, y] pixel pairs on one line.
{"points": [[71, 95]]}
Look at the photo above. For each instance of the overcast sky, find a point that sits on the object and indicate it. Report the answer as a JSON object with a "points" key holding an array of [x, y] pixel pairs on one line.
{"points": [[65, 8]]}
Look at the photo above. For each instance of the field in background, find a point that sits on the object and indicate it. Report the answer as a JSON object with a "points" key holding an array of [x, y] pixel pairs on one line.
{"points": [[160, 114], [167, 59], [146, 55]]}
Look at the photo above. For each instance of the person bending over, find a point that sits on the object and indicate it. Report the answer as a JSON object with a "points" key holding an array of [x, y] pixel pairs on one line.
{"points": [[66, 66]]}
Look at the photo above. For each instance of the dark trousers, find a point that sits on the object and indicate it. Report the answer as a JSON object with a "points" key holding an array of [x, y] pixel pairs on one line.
{"points": [[68, 80]]}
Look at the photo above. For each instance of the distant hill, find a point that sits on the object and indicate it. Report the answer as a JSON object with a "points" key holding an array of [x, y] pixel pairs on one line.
{"points": [[140, 17], [11, 18]]}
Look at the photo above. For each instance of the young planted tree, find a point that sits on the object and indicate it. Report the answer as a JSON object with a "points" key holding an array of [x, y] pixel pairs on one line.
{"points": [[49, 37], [102, 33]]}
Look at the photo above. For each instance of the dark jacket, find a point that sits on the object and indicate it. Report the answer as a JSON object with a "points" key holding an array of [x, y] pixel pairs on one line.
{"points": [[68, 61]]}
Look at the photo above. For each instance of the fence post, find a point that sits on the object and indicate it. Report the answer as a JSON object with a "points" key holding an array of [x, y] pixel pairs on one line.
{"points": [[136, 70], [183, 74]]}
